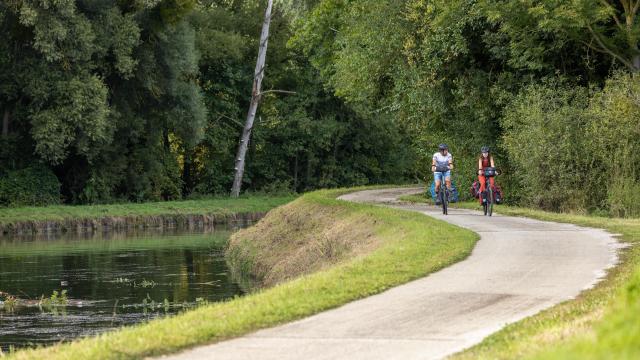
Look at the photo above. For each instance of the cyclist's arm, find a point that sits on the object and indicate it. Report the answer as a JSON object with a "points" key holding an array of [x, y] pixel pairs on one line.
{"points": [[493, 165], [479, 166], [433, 165], [451, 163]]}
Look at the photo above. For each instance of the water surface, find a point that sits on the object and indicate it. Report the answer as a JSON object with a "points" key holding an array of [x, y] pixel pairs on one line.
{"points": [[111, 280]]}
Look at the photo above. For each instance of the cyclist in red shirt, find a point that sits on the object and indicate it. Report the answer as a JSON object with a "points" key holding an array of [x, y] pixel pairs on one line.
{"points": [[484, 161]]}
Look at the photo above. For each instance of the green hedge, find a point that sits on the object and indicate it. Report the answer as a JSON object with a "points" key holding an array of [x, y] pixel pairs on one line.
{"points": [[35, 186]]}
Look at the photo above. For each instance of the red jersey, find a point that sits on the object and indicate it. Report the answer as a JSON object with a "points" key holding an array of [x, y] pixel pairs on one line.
{"points": [[486, 161]]}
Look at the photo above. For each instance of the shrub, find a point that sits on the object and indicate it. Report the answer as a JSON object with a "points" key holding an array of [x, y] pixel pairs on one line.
{"points": [[545, 134], [572, 151], [36, 185], [614, 136]]}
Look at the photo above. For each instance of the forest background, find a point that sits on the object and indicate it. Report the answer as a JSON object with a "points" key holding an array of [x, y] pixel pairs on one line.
{"points": [[111, 100]]}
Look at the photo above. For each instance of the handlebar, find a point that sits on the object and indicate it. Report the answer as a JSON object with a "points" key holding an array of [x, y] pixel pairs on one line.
{"points": [[489, 172]]}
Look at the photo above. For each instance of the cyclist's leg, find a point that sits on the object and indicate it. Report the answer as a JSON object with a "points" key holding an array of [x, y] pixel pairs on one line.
{"points": [[447, 179], [492, 180], [437, 178], [481, 181]]}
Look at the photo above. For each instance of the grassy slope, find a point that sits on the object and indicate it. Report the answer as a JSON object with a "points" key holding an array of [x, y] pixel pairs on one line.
{"points": [[413, 246], [299, 238], [603, 322], [221, 206]]}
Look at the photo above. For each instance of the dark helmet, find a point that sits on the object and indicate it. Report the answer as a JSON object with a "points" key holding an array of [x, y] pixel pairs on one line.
{"points": [[484, 149], [443, 147]]}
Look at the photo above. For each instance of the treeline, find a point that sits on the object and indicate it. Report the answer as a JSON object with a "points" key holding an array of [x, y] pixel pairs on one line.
{"points": [[550, 86], [141, 100], [107, 101]]}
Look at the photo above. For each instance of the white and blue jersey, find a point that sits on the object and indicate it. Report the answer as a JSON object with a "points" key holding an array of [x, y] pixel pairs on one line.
{"points": [[442, 161]]}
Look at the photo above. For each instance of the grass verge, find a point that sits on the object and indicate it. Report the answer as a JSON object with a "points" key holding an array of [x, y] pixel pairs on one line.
{"points": [[603, 322], [412, 246]]}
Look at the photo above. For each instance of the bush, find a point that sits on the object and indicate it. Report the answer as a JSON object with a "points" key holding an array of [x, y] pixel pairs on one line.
{"points": [[36, 186], [575, 152], [545, 137], [624, 197], [614, 136]]}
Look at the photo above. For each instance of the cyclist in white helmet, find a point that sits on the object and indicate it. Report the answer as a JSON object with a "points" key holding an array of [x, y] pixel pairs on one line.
{"points": [[441, 166]]}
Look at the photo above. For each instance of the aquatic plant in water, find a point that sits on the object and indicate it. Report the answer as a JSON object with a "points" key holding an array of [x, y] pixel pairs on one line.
{"points": [[145, 283], [148, 304], [57, 299], [8, 302]]}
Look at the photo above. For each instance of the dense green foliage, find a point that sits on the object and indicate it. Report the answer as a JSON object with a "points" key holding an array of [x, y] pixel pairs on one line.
{"points": [[524, 77], [545, 136], [98, 90], [34, 185], [594, 137], [146, 100]]}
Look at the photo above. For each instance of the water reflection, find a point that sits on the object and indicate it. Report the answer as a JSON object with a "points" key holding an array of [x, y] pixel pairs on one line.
{"points": [[109, 279]]}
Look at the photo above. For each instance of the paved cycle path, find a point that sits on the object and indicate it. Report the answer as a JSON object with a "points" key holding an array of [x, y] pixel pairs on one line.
{"points": [[519, 267]]}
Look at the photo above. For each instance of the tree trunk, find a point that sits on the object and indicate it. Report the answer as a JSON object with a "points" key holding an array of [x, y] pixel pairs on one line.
{"points": [[253, 107], [5, 123], [187, 181]]}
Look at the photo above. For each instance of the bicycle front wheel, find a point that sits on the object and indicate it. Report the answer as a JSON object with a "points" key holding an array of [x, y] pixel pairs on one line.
{"points": [[443, 200], [484, 202], [490, 201]]}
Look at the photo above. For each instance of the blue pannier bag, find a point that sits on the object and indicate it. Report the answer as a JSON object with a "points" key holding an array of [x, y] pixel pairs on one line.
{"points": [[453, 195]]}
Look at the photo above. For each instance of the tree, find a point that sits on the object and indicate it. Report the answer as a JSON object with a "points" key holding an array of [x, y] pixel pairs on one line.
{"points": [[608, 27], [255, 100], [104, 93]]}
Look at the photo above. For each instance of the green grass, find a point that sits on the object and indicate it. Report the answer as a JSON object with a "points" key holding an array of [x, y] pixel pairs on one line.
{"points": [[414, 246], [211, 206], [603, 322]]}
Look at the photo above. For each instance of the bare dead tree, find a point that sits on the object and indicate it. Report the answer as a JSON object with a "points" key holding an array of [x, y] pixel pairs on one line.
{"points": [[255, 100]]}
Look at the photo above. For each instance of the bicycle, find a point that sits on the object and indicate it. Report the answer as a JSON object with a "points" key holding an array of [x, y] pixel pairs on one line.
{"points": [[443, 195], [489, 196]]}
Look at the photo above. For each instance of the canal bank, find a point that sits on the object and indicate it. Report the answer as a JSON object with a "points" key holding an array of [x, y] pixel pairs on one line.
{"points": [[116, 217]]}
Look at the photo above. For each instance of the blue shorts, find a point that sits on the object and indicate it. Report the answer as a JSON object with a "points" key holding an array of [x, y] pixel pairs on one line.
{"points": [[439, 176]]}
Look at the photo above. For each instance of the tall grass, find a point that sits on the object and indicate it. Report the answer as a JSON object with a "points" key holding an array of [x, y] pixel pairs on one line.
{"points": [[576, 149]]}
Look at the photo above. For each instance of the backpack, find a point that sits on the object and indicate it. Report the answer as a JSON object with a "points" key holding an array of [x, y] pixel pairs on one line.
{"points": [[475, 189], [499, 195]]}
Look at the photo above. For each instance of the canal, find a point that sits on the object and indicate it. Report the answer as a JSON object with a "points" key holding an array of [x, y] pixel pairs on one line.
{"points": [[57, 288]]}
